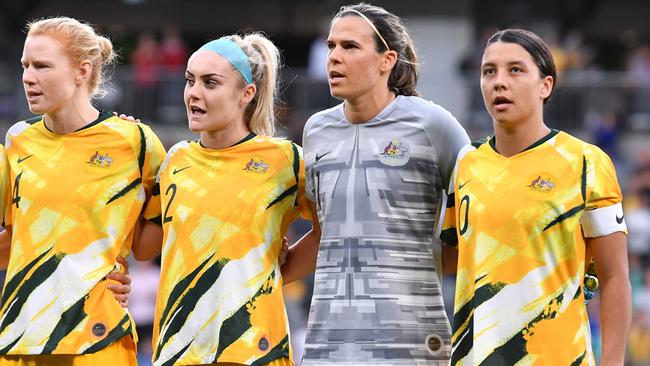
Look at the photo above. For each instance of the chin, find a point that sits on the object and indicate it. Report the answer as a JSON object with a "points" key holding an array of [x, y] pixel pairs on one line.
{"points": [[195, 127], [338, 95], [36, 109]]}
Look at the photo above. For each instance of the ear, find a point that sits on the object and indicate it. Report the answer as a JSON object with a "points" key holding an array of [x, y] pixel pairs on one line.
{"points": [[84, 71], [546, 87], [248, 94], [388, 61]]}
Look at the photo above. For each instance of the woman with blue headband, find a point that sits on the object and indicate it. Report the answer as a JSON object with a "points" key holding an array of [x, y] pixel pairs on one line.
{"points": [[227, 200]]}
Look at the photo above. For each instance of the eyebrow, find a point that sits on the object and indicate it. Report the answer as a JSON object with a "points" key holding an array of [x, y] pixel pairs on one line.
{"points": [[205, 75], [343, 41], [511, 63]]}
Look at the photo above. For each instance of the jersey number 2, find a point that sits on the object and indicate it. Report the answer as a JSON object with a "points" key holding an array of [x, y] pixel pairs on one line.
{"points": [[172, 187]]}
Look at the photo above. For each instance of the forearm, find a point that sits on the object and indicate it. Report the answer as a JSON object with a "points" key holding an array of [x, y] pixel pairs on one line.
{"points": [[5, 249], [449, 259], [147, 243], [615, 318], [302, 256]]}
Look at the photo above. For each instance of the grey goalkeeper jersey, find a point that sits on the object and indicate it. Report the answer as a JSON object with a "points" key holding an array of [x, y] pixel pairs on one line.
{"points": [[378, 188]]}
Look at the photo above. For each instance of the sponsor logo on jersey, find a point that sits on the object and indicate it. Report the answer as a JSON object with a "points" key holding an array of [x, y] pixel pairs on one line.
{"points": [[619, 220], [434, 343], [256, 166], [396, 153], [99, 329], [541, 184], [100, 160], [263, 344]]}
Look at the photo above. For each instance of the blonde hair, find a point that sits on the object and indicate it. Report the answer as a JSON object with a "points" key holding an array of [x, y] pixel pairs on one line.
{"points": [[80, 42], [264, 58]]}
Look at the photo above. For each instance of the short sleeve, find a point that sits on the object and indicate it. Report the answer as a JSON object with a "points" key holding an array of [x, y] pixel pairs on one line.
{"points": [[4, 183], [447, 138], [302, 200], [603, 199], [310, 184], [448, 232], [154, 156]]}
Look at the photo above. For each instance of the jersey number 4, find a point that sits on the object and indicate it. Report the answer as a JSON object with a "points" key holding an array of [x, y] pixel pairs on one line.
{"points": [[16, 196]]}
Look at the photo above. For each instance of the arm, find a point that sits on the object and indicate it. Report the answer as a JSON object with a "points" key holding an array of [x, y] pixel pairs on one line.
{"points": [[449, 259], [610, 254], [147, 242], [5, 248], [302, 256]]}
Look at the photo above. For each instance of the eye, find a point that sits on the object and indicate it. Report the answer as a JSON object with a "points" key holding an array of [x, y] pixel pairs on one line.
{"points": [[488, 71], [189, 82], [331, 45], [212, 83], [516, 69]]}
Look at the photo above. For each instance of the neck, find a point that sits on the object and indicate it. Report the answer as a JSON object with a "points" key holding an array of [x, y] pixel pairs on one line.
{"points": [[513, 139], [66, 120], [361, 110], [220, 139]]}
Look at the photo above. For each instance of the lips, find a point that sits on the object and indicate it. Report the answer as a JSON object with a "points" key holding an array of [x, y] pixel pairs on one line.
{"points": [[33, 94], [501, 103], [197, 111], [335, 76]]}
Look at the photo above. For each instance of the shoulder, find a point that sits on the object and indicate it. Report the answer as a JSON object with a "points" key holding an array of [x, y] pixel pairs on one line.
{"points": [[290, 149], [179, 146], [438, 122], [426, 109], [175, 151], [21, 126], [128, 127], [324, 117], [574, 145]]}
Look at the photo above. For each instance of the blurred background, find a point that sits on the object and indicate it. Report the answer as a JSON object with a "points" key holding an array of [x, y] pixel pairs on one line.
{"points": [[601, 48]]}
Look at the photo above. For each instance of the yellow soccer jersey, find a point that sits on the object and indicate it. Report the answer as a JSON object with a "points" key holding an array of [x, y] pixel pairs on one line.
{"points": [[520, 225], [74, 201], [4, 181], [224, 215]]}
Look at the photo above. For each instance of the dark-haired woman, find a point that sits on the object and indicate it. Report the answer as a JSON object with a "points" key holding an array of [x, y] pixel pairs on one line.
{"points": [[376, 167], [531, 204]]}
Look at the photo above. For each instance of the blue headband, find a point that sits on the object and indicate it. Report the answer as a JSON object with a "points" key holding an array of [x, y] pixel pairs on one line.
{"points": [[233, 53]]}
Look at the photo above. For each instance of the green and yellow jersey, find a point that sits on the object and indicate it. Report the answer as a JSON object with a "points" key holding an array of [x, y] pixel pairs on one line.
{"points": [[520, 224], [74, 201], [225, 213]]}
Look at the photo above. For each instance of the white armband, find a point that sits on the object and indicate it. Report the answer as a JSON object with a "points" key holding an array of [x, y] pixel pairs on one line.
{"points": [[603, 221]]}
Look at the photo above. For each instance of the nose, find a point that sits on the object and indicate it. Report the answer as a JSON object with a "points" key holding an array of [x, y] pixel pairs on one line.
{"points": [[334, 55], [500, 81], [191, 91], [28, 76]]}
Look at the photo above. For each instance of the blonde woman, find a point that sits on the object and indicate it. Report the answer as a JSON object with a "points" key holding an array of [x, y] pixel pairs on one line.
{"points": [[227, 200], [80, 180]]}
